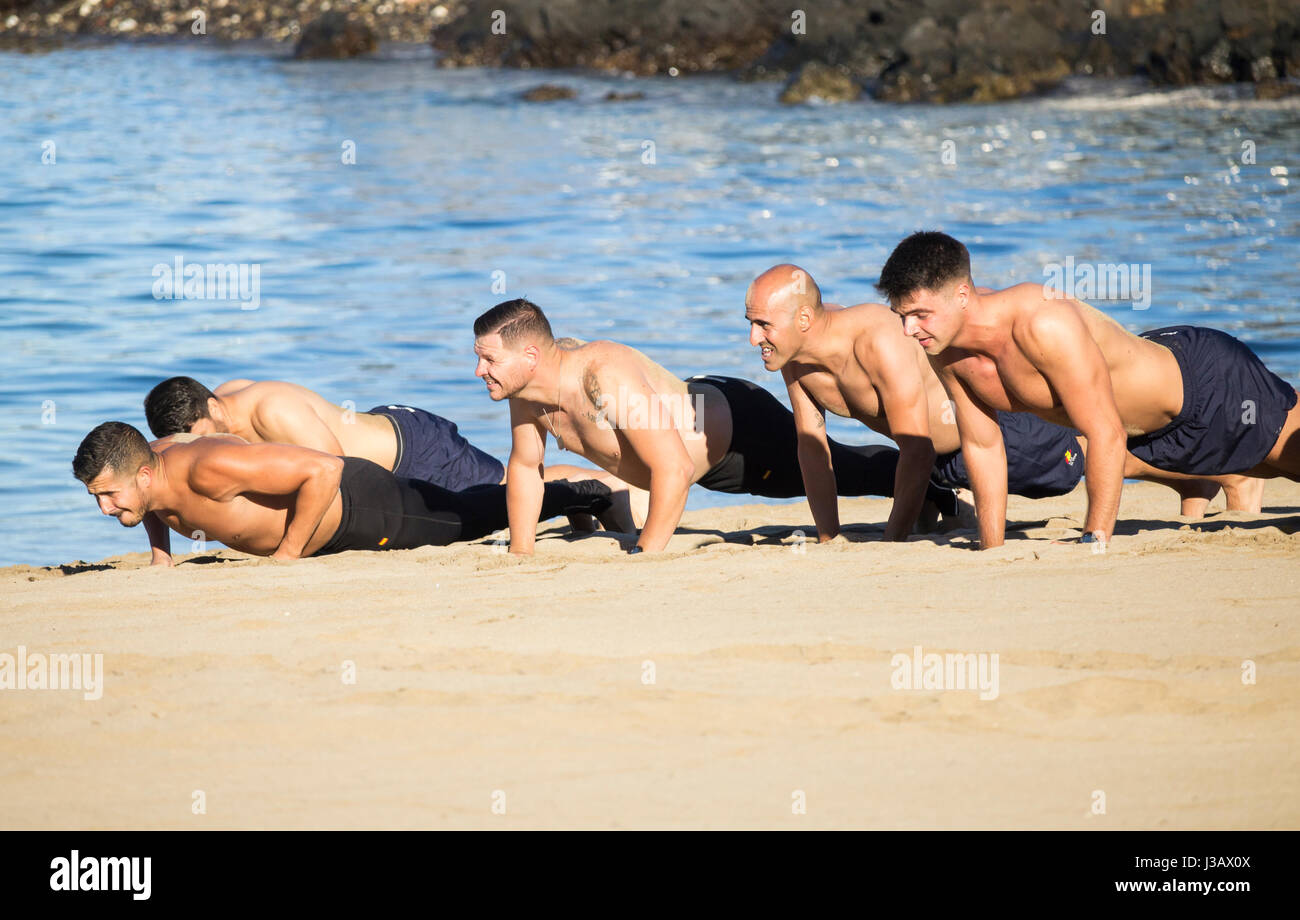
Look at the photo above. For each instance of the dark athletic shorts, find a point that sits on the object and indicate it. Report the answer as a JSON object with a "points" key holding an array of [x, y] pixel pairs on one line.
{"points": [[763, 458], [430, 448], [382, 511], [1233, 406], [1042, 459]]}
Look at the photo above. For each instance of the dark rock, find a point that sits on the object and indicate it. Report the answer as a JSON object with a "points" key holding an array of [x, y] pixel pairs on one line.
{"points": [[814, 80], [335, 35], [548, 92], [1276, 89], [616, 96]]}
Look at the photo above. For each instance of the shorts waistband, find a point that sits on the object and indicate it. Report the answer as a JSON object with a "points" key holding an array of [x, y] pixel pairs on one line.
{"points": [[389, 413], [1190, 390]]}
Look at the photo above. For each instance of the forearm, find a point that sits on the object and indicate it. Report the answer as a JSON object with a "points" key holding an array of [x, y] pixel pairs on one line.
{"points": [[1104, 472], [311, 501], [988, 479], [525, 489], [911, 478], [160, 540], [668, 489], [819, 485]]}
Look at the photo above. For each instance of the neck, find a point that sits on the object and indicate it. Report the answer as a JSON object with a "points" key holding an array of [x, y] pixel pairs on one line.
{"points": [[822, 344], [236, 419], [159, 496], [545, 386], [980, 332]]}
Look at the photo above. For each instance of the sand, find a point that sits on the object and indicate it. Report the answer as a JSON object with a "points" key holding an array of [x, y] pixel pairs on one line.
{"points": [[740, 680]]}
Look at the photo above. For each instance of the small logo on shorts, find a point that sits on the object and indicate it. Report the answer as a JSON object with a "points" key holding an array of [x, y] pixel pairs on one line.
{"points": [[1070, 457]]}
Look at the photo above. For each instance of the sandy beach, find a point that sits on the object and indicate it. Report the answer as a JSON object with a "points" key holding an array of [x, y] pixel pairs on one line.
{"points": [[742, 679]]}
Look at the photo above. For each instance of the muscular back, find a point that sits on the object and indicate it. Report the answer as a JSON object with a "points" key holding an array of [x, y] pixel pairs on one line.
{"points": [[873, 339], [285, 413], [201, 502], [607, 388], [1144, 376]]}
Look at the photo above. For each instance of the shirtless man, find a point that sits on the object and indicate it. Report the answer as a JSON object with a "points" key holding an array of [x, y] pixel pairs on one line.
{"points": [[634, 419], [856, 362], [288, 502], [412, 443], [1183, 399]]}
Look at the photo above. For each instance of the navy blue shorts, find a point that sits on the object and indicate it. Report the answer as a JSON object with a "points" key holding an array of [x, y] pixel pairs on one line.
{"points": [[1042, 459], [1233, 406], [430, 449]]}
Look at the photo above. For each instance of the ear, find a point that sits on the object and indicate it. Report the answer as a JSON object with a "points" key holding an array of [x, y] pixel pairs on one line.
{"points": [[214, 408], [532, 354], [962, 294], [804, 318], [144, 476]]}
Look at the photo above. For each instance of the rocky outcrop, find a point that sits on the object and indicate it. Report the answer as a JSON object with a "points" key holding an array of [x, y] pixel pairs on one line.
{"points": [[900, 50], [822, 82], [32, 21], [905, 50], [548, 92], [335, 35]]}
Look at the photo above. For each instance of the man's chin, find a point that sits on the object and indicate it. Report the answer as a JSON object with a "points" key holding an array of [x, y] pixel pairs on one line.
{"points": [[129, 522]]}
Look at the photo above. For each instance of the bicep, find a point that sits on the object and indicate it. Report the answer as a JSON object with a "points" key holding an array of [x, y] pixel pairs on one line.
{"points": [[902, 394], [1064, 352], [977, 422], [809, 418], [527, 441]]}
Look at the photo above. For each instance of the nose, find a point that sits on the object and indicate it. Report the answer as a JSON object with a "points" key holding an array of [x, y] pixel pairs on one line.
{"points": [[755, 335], [910, 325], [105, 505], [479, 370]]}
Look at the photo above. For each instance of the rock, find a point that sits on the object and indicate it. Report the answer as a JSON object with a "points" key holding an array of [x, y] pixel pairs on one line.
{"points": [[548, 92], [616, 96], [820, 81], [1263, 70], [335, 35], [1276, 89], [987, 54]]}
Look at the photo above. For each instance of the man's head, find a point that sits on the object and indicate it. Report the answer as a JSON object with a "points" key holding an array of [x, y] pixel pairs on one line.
{"points": [[928, 283], [118, 467], [182, 404], [781, 305], [510, 340]]}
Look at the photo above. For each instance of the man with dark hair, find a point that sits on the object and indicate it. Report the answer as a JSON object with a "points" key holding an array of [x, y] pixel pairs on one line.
{"points": [[633, 418], [1183, 399], [856, 362], [412, 443], [288, 502]]}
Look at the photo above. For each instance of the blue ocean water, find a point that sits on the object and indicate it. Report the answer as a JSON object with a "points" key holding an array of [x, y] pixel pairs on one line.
{"points": [[641, 221]]}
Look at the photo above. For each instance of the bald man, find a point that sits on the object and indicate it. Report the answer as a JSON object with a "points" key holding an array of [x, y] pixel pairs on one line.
{"points": [[636, 420], [1185, 400], [858, 363]]}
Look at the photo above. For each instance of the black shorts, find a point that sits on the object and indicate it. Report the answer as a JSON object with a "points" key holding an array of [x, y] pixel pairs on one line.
{"points": [[763, 458], [430, 448], [1233, 406], [1042, 459], [382, 511]]}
